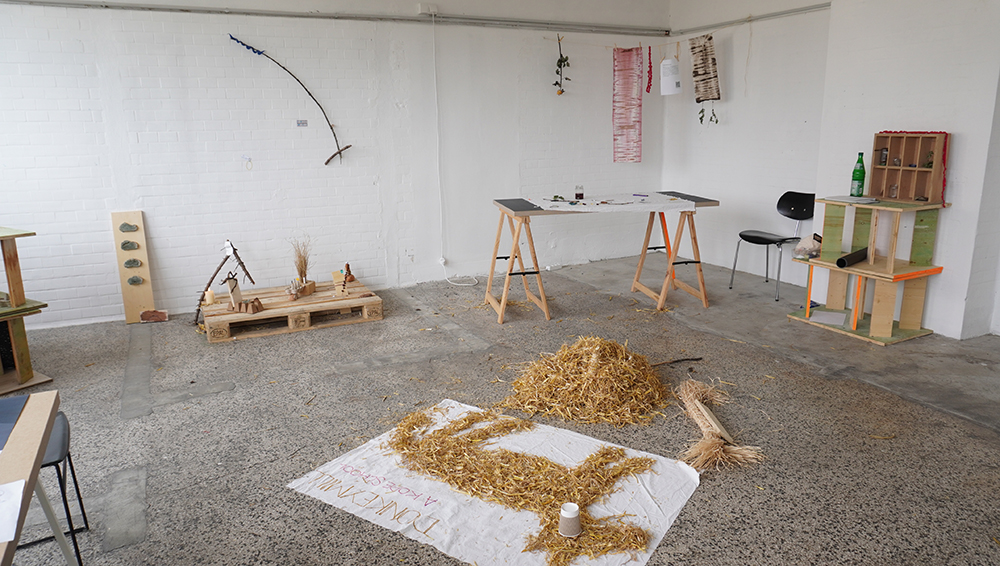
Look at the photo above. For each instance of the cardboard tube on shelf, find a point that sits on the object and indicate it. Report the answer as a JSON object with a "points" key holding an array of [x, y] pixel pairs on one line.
{"points": [[852, 258]]}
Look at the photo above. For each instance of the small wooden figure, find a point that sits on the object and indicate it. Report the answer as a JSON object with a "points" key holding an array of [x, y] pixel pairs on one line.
{"points": [[339, 284], [347, 273], [251, 306], [235, 296]]}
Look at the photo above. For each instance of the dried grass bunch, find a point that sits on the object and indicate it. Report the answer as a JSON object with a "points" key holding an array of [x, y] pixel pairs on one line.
{"points": [[301, 248], [457, 454], [592, 381], [716, 447]]}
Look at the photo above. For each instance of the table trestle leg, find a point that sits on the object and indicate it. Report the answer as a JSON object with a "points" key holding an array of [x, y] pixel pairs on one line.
{"points": [[515, 225], [687, 217], [493, 258], [540, 300], [636, 285]]}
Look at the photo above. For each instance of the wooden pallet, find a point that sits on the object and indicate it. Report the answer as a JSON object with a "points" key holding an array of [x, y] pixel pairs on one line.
{"points": [[319, 310]]}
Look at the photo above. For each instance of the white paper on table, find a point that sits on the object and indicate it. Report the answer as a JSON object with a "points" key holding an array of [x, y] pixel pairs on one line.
{"points": [[371, 483], [649, 201], [10, 508], [670, 76]]}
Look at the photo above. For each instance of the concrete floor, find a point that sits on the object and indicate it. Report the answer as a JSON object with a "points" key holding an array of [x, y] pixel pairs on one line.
{"points": [[875, 455]]}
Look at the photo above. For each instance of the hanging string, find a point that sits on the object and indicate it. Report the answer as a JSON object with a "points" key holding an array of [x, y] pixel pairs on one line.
{"points": [[649, 82], [746, 69]]}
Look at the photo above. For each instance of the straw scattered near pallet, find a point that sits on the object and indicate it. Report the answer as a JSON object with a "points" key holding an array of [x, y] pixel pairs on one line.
{"points": [[716, 447], [592, 381], [456, 454]]}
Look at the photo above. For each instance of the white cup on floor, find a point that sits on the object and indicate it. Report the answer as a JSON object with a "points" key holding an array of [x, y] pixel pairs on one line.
{"points": [[569, 520]]}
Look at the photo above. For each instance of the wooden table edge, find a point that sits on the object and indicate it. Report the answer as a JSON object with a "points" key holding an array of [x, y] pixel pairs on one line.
{"points": [[22, 455]]}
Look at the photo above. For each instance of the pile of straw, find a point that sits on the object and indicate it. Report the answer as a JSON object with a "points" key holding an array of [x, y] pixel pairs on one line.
{"points": [[716, 447], [592, 381], [456, 454]]}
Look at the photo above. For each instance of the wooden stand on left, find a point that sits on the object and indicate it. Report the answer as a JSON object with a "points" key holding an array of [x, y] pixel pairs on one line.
{"points": [[17, 372]]}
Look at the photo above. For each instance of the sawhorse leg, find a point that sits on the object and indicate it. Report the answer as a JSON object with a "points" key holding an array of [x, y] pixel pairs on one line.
{"points": [[636, 285], [670, 280], [516, 224], [57, 531]]}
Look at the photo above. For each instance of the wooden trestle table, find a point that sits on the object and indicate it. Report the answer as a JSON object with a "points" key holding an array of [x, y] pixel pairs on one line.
{"points": [[516, 213]]}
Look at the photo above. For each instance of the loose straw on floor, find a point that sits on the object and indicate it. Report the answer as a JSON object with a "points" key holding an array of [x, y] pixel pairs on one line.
{"points": [[460, 454]]}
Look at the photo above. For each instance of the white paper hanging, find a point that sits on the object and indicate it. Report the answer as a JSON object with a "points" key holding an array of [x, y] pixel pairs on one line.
{"points": [[670, 77]]}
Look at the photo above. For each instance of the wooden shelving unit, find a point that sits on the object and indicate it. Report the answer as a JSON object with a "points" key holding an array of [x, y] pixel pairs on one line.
{"points": [[918, 190], [16, 369]]}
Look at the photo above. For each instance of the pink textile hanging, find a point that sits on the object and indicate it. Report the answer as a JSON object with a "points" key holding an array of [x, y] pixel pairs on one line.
{"points": [[626, 112]]}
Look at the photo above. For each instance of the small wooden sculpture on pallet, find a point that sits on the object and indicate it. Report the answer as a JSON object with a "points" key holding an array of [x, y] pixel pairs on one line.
{"points": [[230, 250], [235, 295], [296, 289], [301, 286], [249, 306], [340, 283]]}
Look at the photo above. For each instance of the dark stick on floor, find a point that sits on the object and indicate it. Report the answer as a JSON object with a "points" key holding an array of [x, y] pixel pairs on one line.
{"points": [[678, 360]]}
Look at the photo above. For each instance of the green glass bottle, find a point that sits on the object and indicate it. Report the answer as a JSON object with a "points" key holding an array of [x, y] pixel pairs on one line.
{"points": [[858, 178]]}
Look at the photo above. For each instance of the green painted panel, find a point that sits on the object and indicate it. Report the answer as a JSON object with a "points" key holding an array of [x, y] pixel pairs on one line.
{"points": [[833, 228], [862, 228], [924, 234]]}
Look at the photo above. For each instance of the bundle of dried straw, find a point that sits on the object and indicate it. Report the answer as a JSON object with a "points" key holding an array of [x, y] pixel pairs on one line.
{"points": [[716, 447], [592, 381], [301, 251]]}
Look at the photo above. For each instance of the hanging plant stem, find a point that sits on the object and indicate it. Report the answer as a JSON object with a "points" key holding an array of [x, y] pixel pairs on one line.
{"points": [[561, 64], [340, 150]]}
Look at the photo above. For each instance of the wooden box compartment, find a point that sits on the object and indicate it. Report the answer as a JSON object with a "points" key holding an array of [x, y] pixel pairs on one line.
{"points": [[914, 167]]}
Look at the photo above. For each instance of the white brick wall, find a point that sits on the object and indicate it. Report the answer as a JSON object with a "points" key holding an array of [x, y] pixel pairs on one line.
{"points": [[110, 110], [106, 111], [985, 284], [880, 75], [771, 78]]}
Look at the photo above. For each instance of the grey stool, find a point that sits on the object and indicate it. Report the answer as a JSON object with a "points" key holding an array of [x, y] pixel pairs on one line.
{"points": [[56, 453]]}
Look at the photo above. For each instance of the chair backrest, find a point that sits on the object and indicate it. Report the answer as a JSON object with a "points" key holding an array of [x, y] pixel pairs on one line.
{"points": [[58, 446], [797, 206]]}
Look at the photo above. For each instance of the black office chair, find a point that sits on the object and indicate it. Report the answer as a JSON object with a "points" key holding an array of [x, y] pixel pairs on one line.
{"points": [[797, 206], [56, 453]]}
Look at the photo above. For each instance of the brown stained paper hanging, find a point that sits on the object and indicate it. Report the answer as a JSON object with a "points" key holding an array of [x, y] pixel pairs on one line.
{"points": [[626, 113], [706, 74]]}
